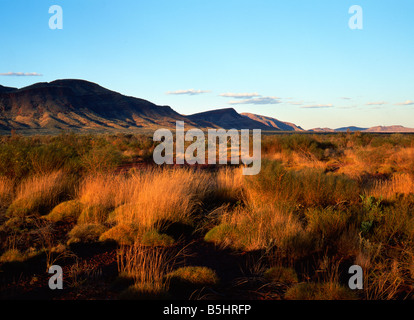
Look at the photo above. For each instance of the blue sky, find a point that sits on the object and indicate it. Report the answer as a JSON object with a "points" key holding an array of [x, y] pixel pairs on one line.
{"points": [[296, 60]]}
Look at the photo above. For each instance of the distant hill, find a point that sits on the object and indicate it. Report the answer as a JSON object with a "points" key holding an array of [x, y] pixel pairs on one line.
{"points": [[351, 129], [79, 106], [392, 129], [273, 123], [82, 106], [321, 130], [378, 129], [227, 119]]}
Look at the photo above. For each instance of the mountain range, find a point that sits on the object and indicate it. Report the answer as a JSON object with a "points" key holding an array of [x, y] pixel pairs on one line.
{"points": [[82, 106]]}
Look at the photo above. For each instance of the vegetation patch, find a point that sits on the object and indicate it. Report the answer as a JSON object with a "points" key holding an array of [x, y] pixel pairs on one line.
{"points": [[192, 277], [68, 211], [319, 291], [86, 233], [155, 239]]}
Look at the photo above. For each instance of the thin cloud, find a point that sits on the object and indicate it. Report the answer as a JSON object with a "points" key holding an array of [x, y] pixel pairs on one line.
{"points": [[260, 101], [21, 74], [190, 92], [346, 98], [379, 103], [406, 103], [240, 95], [318, 106], [295, 103]]}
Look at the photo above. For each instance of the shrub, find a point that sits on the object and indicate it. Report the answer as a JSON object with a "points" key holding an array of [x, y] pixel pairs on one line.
{"points": [[223, 234], [146, 266], [67, 211], [282, 275], [85, 233], [6, 191], [155, 198], [329, 222], [38, 194], [102, 158], [155, 239], [307, 187], [12, 255], [144, 291], [93, 214], [260, 227], [123, 234], [319, 291], [192, 277], [26, 206]]}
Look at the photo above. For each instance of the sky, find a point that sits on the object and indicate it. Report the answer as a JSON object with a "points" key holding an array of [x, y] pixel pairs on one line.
{"points": [[297, 61]]}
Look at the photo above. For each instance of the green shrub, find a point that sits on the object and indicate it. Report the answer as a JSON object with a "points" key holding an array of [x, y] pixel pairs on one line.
{"points": [[25, 206], [86, 233], [123, 234], [224, 234], [67, 211], [155, 239], [329, 222], [93, 214]]}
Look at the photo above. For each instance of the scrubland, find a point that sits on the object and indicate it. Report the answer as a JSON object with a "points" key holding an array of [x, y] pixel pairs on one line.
{"points": [[124, 228]]}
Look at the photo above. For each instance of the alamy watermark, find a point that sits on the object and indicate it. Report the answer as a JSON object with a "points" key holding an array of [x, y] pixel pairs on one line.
{"points": [[56, 20], [56, 281], [195, 153], [356, 21]]}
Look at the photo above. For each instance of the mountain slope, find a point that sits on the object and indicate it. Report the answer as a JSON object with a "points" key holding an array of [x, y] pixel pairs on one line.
{"points": [[227, 119], [6, 89], [78, 105], [273, 123], [351, 129], [393, 129]]}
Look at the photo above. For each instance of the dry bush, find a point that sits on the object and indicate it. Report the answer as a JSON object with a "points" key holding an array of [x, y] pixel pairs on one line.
{"points": [[259, 227], [192, 277], [6, 193], [307, 187], [400, 183], [100, 194], [229, 184], [106, 190], [163, 195], [39, 194], [147, 267]]}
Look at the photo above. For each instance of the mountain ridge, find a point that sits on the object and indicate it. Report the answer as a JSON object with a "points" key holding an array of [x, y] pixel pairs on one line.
{"points": [[83, 106]]}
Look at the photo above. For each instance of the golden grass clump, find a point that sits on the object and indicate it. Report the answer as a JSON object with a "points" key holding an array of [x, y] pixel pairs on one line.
{"points": [[282, 275], [123, 234], [38, 194], [258, 227], [163, 195], [400, 183], [147, 267], [192, 277], [67, 211], [86, 233]]}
